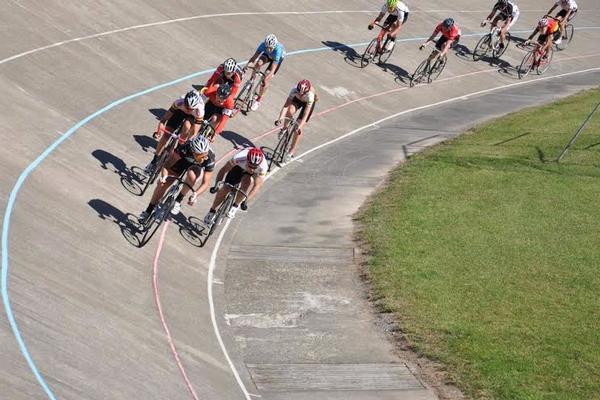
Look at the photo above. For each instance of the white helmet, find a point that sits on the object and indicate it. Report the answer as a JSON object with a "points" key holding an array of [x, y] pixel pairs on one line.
{"points": [[271, 41], [200, 145], [229, 65], [192, 99]]}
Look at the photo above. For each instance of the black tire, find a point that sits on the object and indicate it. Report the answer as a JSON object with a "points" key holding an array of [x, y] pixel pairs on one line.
{"points": [[255, 85], [243, 97], [369, 54], [544, 64], [526, 65], [419, 74], [437, 68], [208, 132], [219, 215], [157, 168], [498, 53], [155, 220], [282, 146], [569, 31], [385, 55], [482, 47]]}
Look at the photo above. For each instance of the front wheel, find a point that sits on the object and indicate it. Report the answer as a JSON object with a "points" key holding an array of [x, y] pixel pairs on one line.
{"points": [[526, 65], [419, 74], [544, 62], [500, 50], [243, 97], [437, 68], [482, 47], [369, 53], [386, 54]]}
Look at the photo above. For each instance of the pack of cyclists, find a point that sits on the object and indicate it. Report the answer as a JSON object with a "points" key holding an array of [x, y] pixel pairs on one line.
{"points": [[214, 105]]}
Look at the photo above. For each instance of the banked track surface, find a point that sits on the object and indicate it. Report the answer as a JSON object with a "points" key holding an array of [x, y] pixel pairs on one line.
{"points": [[81, 294]]}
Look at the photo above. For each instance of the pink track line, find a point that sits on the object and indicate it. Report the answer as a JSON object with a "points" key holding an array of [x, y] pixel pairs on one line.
{"points": [[226, 155]]}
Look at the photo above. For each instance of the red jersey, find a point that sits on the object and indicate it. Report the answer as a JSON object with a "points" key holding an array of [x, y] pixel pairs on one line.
{"points": [[219, 77], [550, 28], [227, 106], [452, 33]]}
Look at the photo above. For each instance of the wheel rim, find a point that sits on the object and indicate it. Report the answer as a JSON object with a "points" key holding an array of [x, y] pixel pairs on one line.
{"points": [[368, 54], [543, 65], [526, 64], [482, 48]]}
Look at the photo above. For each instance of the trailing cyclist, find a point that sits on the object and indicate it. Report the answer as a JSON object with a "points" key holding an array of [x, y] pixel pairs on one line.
{"points": [[228, 72], [195, 157], [247, 167], [450, 36], [549, 30], [568, 9], [269, 51], [302, 97], [219, 106], [398, 15], [508, 13], [187, 112]]}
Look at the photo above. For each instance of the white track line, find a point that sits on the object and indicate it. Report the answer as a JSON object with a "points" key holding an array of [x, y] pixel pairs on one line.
{"points": [[213, 257]]}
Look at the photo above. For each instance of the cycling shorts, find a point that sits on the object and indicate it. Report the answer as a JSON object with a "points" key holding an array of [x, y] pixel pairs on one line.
{"points": [[562, 13], [177, 119], [301, 105], [266, 59], [442, 40], [235, 175], [392, 18], [542, 38]]}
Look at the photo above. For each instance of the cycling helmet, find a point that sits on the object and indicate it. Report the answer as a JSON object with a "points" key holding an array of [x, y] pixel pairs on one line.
{"points": [[448, 22], [392, 4], [255, 157], [502, 3], [192, 99], [200, 145], [229, 65], [543, 22], [303, 86], [224, 90], [271, 41]]}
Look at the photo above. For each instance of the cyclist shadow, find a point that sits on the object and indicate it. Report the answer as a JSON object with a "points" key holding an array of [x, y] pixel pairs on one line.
{"points": [[350, 55], [237, 140], [158, 112], [131, 178], [503, 66], [400, 74], [126, 222], [147, 143], [463, 52], [192, 229]]}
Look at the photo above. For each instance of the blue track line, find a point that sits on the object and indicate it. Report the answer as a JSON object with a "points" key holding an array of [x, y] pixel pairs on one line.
{"points": [[31, 167]]}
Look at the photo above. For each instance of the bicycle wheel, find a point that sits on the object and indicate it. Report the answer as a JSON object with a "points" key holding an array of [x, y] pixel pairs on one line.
{"points": [[437, 69], [159, 215], [255, 85], [385, 55], [500, 50], [220, 214], [569, 32], [369, 53], [283, 144], [243, 97], [544, 62], [482, 47], [419, 74], [158, 166], [526, 65]]}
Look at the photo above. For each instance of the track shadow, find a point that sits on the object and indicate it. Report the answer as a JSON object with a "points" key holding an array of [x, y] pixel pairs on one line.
{"points": [[157, 112], [236, 139], [400, 74], [132, 178], [350, 55], [147, 143], [511, 139], [194, 231], [591, 145], [126, 222]]}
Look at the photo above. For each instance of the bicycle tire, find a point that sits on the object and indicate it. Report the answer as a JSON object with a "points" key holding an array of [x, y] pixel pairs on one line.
{"points": [[282, 145], [570, 31], [243, 96], [154, 222], [385, 55], [257, 82], [526, 65], [482, 47], [159, 165], [419, 73], [543, 65], [369, 54], [221, 211], [498, 53], [437, 69]]}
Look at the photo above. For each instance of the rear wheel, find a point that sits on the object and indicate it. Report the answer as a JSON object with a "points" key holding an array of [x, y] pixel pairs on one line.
{"points": [[526, 65], [158, 166], [437, 68], [544, 62], [419, 74], [282, 146], [482, 47], [369, 53], [386, 54], [569, 32], [243, 97], [500, 50]]}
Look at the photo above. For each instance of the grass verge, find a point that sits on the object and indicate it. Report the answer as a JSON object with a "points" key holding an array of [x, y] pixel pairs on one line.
{"points": [[489, 254]]}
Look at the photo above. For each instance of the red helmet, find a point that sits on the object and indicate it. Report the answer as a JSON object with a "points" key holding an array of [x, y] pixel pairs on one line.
{"points": [[303, 86], [255, 157]]}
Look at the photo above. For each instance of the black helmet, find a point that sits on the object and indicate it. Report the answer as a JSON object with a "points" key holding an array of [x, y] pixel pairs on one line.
{"points": [[224, 90], [448, 22]]}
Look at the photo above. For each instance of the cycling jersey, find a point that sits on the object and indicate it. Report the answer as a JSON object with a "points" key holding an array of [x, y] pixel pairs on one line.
{"points": [[550, 28], [449, 33], [187, 154], [197, 113], [240, 160], [216, 106], [509, 10], [307, 98], [400, 11], [219, 77], [276, 55], [567, 4]]}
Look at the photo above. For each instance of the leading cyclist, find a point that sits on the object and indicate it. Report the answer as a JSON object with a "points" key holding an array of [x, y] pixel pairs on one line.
{"points": [[228, 72], [508, 13], [269, 51], [450, 35], [568, 9], [398, 15]]}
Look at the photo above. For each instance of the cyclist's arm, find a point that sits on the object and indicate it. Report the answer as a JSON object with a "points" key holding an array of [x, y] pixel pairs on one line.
{"points": [[163, 121], [285, 107], [206, 179], [258, 181], [379, 18], [222, 119], [491, 15], [252, 60], [214, 77]]}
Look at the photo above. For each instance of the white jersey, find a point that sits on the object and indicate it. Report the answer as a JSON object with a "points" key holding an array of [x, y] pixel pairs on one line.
{"points": [[567, 4], [308, 98], [399, 12], [240, 159], [197, 112]]}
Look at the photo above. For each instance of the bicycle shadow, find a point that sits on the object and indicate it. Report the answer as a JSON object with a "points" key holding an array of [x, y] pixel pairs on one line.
{"points": [[126, 222], [400, 74], [350, 55], [193, 230], [236, 139], [147, 143], [132, 179]]}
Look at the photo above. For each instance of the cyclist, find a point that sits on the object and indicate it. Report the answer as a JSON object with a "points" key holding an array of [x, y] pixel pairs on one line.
{"points": [[187, 110], [219, 106], [228, 72], [269, 51], [302, 97], [548, 31], [195, 157], [247, 167], [568, 9], [450, 35], [398, 15], [508, 13]]}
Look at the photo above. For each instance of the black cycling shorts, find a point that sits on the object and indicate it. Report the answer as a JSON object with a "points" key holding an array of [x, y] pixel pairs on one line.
{"points": [[210, 109], [235, 175], [265, 59], [300, 105], [177, 119]]}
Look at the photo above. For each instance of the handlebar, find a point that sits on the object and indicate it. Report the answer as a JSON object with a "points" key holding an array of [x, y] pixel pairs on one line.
{"points": [[217, 186]]}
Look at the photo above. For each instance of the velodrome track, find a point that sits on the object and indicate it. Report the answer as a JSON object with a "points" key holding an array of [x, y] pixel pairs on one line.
{"points": [[82, 304]]}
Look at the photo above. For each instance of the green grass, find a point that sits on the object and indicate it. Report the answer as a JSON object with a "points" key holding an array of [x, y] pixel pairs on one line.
{"points": [[489, 254]]}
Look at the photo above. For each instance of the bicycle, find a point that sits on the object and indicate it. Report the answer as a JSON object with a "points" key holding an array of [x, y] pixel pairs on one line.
{"points": [[428, 70], [290, 125], [567, 36], [249, 91], [535, 59], [225, 206], [206, 128], [162, 159], [376, 48], [488, 42], [162, 210]]}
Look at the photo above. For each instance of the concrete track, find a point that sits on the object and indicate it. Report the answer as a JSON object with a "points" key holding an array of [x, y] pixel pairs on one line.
{"points": [[85, 300]]}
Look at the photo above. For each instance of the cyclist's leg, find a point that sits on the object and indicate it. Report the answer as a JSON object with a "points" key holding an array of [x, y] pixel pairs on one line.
{"points": [[192, 175], [290, 113], [438, 48], [245, 183], [233, 177], [298, 133]]}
